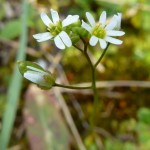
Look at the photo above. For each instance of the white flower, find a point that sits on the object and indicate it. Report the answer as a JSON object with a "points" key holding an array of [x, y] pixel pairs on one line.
{"points": [[36, 74], [56, 29], [101, 31]]}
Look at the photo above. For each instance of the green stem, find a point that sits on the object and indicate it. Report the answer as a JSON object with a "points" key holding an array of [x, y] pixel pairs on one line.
{"points": [[95, 94], [71, 87], [104, 51], [93, 71], [95, 105], [78, 48]]}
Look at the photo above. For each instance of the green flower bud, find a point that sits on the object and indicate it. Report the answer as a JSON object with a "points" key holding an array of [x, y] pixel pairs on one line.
{"points": [[80, 31], [36, 74], [74, 38]]}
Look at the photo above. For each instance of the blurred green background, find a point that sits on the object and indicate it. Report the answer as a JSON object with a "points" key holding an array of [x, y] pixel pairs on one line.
{"points": [[32, 119]]}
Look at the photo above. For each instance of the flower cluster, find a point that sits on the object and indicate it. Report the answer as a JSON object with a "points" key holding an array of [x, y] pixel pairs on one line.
{"points": [[101, 31], [56, 29]]}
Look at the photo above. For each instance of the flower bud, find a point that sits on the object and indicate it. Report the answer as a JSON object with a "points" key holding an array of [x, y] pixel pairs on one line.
{"points": [[36, 74], [74, 38], [80, 31]]}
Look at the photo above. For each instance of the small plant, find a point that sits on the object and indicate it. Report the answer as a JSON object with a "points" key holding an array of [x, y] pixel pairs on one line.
{"points": [[66, 33]]}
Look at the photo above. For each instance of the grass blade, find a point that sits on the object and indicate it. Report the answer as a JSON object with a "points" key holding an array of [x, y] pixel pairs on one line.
{"points": [[15, 86]]}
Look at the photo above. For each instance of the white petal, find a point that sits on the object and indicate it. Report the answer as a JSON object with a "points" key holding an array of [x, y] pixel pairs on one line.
{"points": [[69, 20], [44, 39], [93, 40], [90, 19], [118, 17], [35, 77], [40, 37], [103, 43], [102, 18], [86, 26], [113, 40], [59, 42], [55, 16], [114, 33], [112, 24], [45, 19], [65, 38]]}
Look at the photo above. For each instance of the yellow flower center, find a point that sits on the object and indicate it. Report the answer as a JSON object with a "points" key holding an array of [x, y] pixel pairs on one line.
{"points": [[99, 31], [55, 29]]}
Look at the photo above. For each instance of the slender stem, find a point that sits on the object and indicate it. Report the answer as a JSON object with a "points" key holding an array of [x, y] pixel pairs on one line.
{"points": [[78, 48], [71, 87], [98, 61], [95, 94], [93, 71], [89, 60], [95, 105]]}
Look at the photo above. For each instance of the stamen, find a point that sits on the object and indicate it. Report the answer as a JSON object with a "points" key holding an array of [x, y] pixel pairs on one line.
{"points": [[99, 31], [55, 29]]}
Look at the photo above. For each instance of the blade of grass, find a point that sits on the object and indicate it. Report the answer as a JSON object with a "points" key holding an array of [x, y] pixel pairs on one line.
{"points": [[15, 85]]}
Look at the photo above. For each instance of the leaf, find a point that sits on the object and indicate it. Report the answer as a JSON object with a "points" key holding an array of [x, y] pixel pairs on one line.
{"points": [[45, 126], [11, 29]]}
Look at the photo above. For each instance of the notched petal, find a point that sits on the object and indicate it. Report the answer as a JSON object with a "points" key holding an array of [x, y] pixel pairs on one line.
{"points": [[114, 33], [40, 37], [65, 38], [90, 19], [69, 20], [86, 26], [102, 18], [103, 43], [55, 16], [93, 40], [59, 43], [113, 40], [46, 20]]}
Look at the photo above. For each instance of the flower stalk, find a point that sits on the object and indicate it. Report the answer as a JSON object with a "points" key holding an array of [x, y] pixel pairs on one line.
{"points": [[100, 58], [71, 87]]}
